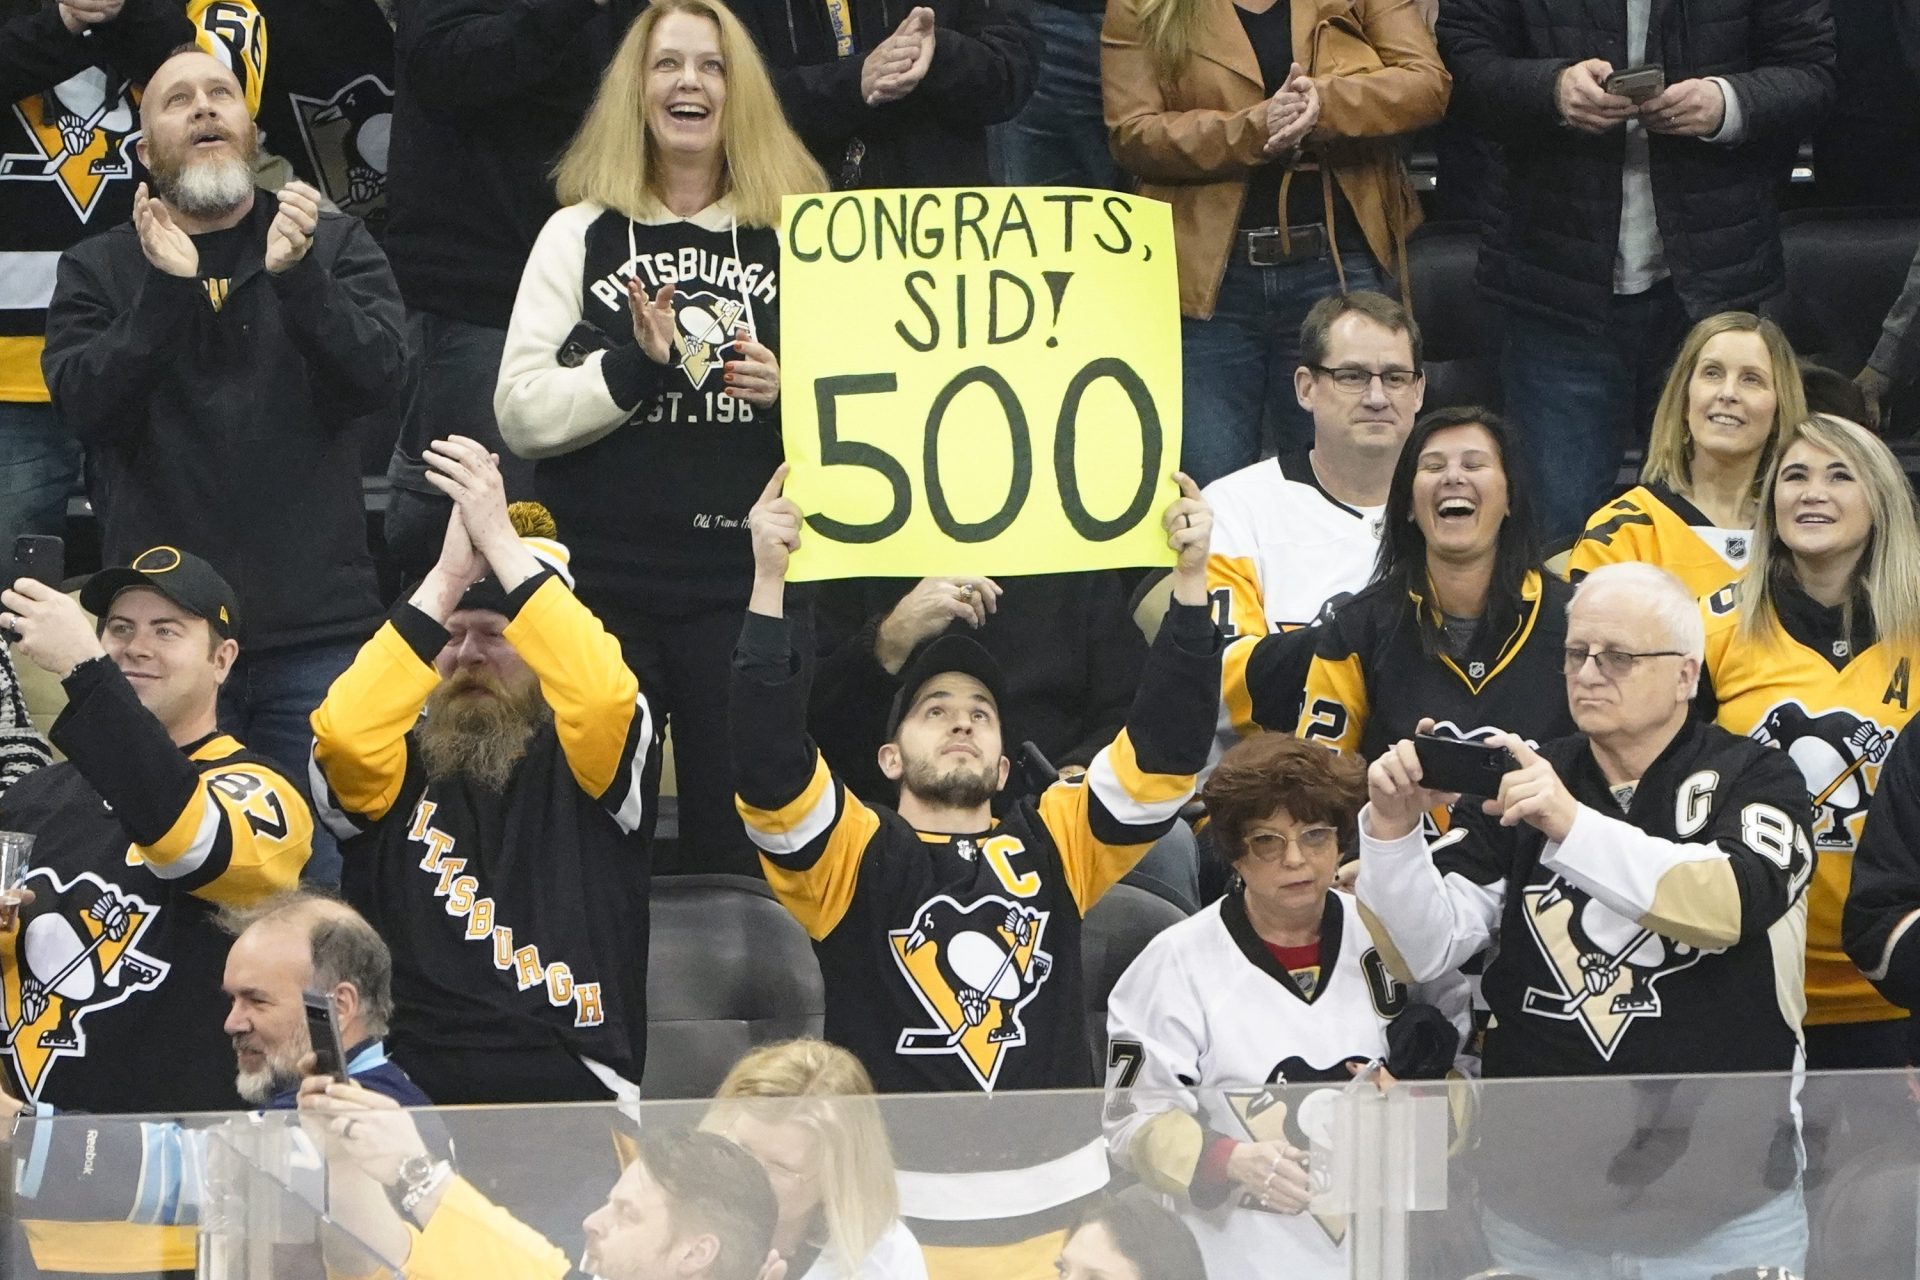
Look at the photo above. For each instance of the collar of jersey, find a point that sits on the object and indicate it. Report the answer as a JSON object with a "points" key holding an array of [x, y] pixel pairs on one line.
{"points": [[215, 746], [1532, 591]]}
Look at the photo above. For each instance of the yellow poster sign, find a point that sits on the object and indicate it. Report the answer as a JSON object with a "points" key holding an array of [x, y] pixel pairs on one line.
{"points": [[979, 382]]}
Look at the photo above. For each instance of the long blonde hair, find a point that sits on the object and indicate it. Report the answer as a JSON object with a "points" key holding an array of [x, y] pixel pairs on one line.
{"points": [[1889, 566], [612, 161], [1670, 448], [832, 1096], [1169, 29]]}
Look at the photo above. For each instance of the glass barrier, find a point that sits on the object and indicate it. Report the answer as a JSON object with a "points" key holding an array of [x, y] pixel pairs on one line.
{"points": [[1684, 1178]]}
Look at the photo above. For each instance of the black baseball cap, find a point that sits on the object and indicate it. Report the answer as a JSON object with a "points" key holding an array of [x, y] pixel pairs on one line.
{"points": [[187, 580], [937, 657]]}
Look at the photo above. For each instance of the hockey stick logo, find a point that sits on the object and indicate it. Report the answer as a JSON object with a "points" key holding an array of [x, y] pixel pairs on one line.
{"points": [[973, 968]]}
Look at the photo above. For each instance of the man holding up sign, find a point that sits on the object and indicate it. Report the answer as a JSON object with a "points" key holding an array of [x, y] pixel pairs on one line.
{"points": [[949, 942]]}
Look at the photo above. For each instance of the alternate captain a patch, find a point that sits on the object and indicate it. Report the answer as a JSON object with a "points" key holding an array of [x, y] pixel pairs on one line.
{"points": [[973, 968]]}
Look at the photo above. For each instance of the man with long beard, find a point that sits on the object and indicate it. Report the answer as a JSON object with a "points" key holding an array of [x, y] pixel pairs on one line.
{"points": [[214, 355], [495, 845]]}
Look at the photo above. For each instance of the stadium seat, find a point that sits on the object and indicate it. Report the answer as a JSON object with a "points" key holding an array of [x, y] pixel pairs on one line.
{"points": [[1461, 332], [728, 969], [1117, 930], [1844, 269]]}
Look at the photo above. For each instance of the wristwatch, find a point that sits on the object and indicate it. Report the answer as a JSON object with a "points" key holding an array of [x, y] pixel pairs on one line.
{"points": [[419, 1175]]}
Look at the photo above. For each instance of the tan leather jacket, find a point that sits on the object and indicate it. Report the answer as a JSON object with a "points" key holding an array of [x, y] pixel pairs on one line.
{"points": [[1194, 143]]}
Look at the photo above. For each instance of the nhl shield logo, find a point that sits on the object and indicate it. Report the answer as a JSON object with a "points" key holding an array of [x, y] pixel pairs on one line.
{"points": [[1477, 669], [1737, 547], [76, 952], [974, 968]]}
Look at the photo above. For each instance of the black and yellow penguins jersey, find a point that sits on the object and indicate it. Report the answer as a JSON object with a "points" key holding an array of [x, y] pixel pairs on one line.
{"points": [[1883, 902], [1655, 525], [1665, 937], [516, 917], [1835, 704], [1370, 682], [138, 844], [69, 124], [952, 962]]}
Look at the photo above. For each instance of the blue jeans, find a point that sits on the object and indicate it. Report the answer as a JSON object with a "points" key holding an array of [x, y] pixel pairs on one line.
{"points": [[39, 462], [266, 704], [1059, 139], [1578, 400], [1774, 1235], [457, 364], [1237, 367]]}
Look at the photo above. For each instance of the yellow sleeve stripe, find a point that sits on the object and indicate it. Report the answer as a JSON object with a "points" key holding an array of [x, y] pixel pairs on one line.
{"points": [[1334, 711], [1236, 700], [1131, 794], [1166, 1150], [110, 1248], [583, 678], [470, 1235], [805, 817], [820, 896]]}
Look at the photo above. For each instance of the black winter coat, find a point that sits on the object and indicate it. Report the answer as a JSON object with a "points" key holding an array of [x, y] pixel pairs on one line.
{"points": [[982, 74], [1553, 254]]}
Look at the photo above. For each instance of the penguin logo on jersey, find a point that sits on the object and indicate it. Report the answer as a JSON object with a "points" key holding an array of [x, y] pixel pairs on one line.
{"points": [[703, 325], [1608, 968], [1263, 1116], [974, 968], [81, 133], [76, 952], [1839, 755], [347, 138]]}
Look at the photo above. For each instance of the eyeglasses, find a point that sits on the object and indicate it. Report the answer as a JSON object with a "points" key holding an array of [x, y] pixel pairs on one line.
{"points": [[1615, 664], [1271, 846], [1355, 381]]}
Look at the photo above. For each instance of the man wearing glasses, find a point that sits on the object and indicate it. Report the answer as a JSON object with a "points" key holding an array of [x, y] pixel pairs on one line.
{"points": [[1643, 881], [1295, 532]]}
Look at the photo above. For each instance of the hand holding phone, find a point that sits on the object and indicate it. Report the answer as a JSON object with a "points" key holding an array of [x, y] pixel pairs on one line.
{"points": [[1637, 84], [323, 1031], [1469, 768], [40, 557]]}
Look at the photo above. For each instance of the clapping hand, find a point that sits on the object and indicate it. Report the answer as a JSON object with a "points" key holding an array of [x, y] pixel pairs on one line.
{"points": [[753, 374], [166, 246], [1292, 112], [652, 320], [898, 64], [291, 233]]}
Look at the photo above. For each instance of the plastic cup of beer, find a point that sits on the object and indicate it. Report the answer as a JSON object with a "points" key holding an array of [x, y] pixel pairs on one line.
{"points": [[16, 848]]}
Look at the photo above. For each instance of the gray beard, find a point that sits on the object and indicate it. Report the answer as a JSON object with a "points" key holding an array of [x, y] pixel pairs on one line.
{"points": [[208, 188]]}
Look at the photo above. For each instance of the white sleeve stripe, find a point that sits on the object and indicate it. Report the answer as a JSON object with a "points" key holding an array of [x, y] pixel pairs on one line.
{"points": [[202, 847], [1619, 864], [1879, 971], [815, 823], [628, 813], [325, 807], [1106, 788]]}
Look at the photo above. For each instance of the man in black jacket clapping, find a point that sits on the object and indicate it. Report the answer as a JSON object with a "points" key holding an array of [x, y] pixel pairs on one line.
{"points": [[211, 354]]}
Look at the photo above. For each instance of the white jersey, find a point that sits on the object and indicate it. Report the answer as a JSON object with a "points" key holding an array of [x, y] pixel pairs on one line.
{"points": [[894, 1256], [1199, 1025], [1283, 547]]}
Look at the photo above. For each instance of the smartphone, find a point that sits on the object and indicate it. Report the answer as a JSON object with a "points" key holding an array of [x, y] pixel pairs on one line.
{"points": [[323, 1030], [1637, 83], [40, 557], [1470, 768]]}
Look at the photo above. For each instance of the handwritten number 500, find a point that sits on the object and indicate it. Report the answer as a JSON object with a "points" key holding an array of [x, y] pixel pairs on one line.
{"points": [[835, 452]]}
